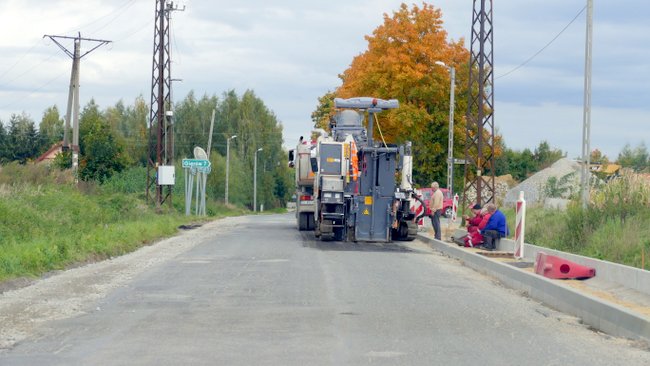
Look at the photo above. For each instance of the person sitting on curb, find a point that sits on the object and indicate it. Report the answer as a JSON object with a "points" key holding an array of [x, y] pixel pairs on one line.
{"points": [[473, 222], [495, 229], [474, 237]]}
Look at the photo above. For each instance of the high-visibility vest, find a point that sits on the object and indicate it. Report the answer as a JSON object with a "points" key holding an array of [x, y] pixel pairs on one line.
{"points": [[354, 161]]}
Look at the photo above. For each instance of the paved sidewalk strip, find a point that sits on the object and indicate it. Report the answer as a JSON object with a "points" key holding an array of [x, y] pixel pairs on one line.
{"points": [[601, 305]]}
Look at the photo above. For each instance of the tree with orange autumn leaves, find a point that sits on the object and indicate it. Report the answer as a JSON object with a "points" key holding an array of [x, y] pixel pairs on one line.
{"points": [[400, 63]]}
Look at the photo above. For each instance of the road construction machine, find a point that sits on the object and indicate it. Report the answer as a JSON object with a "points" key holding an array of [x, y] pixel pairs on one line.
{"points": [[299, 159], [355, 190]]}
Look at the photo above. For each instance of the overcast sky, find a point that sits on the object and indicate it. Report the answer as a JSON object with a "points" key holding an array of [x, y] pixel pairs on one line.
{"points": [[290, 52]]}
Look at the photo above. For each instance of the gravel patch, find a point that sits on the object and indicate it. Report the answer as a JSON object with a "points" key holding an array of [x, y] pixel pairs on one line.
{"points": [[533, 187]]}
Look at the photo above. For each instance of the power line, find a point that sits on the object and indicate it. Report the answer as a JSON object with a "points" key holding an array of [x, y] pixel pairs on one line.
{"points": [[121, 9], [33, 91], [127, 4], [545, 47], [19, 59], [124, 9], [30, 69], [134, 31]]}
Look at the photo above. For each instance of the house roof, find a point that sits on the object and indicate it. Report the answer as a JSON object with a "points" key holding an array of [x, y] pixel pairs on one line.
{"points": [[605, 168], [55, 148]]}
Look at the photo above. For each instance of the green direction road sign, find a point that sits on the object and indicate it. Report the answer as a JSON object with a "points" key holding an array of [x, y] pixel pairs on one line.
{"points": [[196, 163]]}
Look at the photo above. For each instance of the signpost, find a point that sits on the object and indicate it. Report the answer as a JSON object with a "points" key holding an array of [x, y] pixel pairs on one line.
{"points": [[202, 167], [196, 163]]}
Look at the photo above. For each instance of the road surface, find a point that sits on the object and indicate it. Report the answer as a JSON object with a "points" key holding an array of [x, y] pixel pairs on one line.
{"points": [[255, 291]]}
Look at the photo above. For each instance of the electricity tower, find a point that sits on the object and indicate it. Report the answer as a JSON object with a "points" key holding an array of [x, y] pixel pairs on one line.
{"points": [[73, 93], [161, 128], [479, 145]]}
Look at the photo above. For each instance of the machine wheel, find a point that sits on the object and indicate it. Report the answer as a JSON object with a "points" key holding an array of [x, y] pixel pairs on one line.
{"points": [[339, 234], [303, 222], [412, 230], [327, 237], [448, 212], [407, 231], [310, 221], [317, 232]]}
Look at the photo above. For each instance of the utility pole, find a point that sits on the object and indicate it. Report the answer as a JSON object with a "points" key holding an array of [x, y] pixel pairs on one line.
{"points": [[161, 106], [479, 145], [450, 141], [210, 135], [73, 92], [586, 120], [255, 180], [228, 165]]}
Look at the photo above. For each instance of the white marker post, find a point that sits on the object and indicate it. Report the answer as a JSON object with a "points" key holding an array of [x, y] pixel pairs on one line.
{"points": [[454, 214], [454, 209], [520, 210]]}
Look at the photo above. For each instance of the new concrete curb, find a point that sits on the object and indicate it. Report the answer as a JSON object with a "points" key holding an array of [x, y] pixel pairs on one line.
{"points": [[597, 313]]}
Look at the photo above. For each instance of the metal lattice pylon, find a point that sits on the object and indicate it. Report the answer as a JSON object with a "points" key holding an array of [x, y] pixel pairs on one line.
{"points": [[479, 145], [161, 133]]}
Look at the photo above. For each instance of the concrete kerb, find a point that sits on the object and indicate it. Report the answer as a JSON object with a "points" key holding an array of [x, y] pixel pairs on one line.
{"points": [[630, 277], [594, 312]]}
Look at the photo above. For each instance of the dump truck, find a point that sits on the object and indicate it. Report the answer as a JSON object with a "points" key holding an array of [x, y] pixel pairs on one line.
{"points": [[299, 159]]}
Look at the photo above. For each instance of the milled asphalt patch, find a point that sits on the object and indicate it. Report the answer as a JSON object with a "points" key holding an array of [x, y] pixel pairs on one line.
{"points": [[595, 312]]}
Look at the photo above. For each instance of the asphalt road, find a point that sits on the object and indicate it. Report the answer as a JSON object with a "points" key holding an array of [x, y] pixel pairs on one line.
{"points": [[262, 293]]}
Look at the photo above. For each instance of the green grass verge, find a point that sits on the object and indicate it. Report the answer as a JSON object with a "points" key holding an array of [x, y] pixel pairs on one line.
{"points": [[614, 227], [591, 233], [43, 228], [50, 227]]}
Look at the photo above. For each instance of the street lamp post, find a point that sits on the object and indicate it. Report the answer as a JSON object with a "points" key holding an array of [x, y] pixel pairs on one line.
{"points": [[255, 180], [228, 164], [450, 143]]}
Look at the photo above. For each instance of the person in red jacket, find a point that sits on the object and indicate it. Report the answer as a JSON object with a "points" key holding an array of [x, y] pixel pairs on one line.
{"points": [[472, 222], [477, 223]]}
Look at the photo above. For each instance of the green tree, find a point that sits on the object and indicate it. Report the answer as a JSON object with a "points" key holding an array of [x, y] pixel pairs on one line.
{"points": [[22, 141], [4, 141], [545, 156], [636, 158], [255, 126], [597, 157], [640, 157], [50, 129], [133, 129], [400, 63], [101, 153], [128, 124], [324, 110], [192, 123], [559, 188]]}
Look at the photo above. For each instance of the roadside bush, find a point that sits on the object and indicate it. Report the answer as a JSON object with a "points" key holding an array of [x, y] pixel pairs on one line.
{"points": [[131, 180], [35, 174], [613, 227]]}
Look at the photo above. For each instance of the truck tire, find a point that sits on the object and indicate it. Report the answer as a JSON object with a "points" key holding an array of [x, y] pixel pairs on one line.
{"points": [[407, 231], [339, 234], [303, 222], [311, 225]]}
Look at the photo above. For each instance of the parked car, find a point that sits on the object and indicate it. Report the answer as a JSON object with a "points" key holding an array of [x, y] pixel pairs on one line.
{"points": [[447, 200]]}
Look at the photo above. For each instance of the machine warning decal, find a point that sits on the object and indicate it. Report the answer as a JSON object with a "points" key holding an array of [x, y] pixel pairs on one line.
{"points": [[366, 212], [367, 200], [333, 160]]}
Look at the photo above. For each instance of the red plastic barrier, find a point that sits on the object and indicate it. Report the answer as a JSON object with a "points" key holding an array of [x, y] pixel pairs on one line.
{"points": [[554, 267]]}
